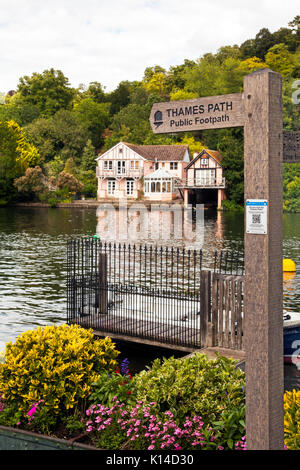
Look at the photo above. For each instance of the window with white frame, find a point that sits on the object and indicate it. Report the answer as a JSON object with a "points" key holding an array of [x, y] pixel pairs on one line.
{"points": [[158, 185], [129, 187], [111, 186], [121, 166], [204, 161], [107, 164], [173, 165], [134, 165]]}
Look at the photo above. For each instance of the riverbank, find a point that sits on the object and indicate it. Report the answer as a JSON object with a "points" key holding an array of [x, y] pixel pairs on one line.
{"points": [[92, 203]]}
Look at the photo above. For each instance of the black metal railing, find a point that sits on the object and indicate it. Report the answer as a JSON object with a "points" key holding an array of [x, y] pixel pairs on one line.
{"points": [[143, 291]]}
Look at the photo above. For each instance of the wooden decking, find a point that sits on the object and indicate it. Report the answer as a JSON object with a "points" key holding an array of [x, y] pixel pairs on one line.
{"points": [[140, 330]]}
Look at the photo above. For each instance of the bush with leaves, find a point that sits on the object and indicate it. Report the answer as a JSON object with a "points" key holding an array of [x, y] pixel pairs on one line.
{"points": [[69, 183], [292, 419], [56, 364], [193, 385], [117, 385]]}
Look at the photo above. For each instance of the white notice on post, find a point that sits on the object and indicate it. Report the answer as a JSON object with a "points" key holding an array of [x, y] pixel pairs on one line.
{"points": [[256, 216]]}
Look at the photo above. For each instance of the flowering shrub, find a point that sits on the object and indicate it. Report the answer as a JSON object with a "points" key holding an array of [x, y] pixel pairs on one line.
{"points": [[141, 427], [193, 385], [56, 364], [292, 419], [115, 384]]}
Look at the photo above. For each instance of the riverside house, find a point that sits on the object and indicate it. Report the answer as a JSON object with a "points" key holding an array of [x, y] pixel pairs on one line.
{"points": [[204, 181], [151, 172]]}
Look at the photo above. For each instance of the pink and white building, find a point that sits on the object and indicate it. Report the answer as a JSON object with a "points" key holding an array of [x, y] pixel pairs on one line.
{"points": [[204, 180], [151, 172]]}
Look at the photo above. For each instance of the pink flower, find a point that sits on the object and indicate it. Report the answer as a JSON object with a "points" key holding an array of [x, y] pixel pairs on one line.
{"points": [[31, 411], [151, 447]]}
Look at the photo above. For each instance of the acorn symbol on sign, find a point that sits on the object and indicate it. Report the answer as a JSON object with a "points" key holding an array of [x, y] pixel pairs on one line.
{"points": [[158, 119]]}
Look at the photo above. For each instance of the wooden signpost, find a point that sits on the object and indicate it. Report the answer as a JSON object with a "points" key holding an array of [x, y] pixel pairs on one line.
{"points": [[259, 111]]}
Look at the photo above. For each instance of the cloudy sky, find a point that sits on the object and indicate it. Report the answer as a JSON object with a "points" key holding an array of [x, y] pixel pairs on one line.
{"points": [[113, 40]]}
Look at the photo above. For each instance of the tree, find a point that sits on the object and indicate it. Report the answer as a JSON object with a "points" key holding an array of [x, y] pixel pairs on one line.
{"points": [[120, 97], [280, 60], [32, 184], [95, 92], [195, 146], [18, 110], [263, 41], [16, 155], [88, 157], [70, 167], [94, 117], [251, 65], [62, 134], [54, 167], [158, 84], [50, 91], [69, 183], [231, 147]]}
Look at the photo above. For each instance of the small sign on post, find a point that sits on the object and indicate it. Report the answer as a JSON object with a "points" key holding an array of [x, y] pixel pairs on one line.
{"points": [[257, 216]]}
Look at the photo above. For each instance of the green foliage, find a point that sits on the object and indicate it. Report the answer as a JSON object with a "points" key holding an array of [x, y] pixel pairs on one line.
{"points": [[18, 110], [192, 385], [292, 419], [32, 184], [291, 187], [70, 167], [50, 91], [55, 166], [16, 155], [55, 364], [69, 183], [88, 160], [94, 117], [61, 135], [113, 386], [280, 60]]}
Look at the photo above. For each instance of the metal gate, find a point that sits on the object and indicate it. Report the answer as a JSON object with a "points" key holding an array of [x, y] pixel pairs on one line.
{"points": [[145, 292]]}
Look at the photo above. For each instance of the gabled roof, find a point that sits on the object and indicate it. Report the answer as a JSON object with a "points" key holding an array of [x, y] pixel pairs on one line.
{"points": [[160, 152], [210, 153]]}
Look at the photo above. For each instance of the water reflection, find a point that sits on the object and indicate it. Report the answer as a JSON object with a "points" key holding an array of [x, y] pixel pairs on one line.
{"points": [[168, 225]]}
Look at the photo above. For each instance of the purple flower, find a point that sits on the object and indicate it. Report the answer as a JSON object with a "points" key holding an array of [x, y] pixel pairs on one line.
{"points": [[125, 367]]}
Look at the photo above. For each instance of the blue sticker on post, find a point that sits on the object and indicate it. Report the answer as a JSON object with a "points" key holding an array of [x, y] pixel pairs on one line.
{"points": [[257, 216]]}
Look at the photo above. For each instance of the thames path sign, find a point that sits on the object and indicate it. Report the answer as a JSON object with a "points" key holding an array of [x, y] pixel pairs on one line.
{"points": [[259, 111], [204, 113]]}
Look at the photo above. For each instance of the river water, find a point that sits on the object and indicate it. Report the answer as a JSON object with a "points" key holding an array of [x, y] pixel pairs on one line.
{"points": [[33, 260]]}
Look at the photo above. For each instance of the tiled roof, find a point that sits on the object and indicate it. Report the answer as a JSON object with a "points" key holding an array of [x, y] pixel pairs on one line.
{"points": [[215, 154], [212, 153], [160, 152]]}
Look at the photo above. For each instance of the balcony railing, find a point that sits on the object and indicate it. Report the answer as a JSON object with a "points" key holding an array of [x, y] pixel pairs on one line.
{"points": [[116, 173], [202, 183]]}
